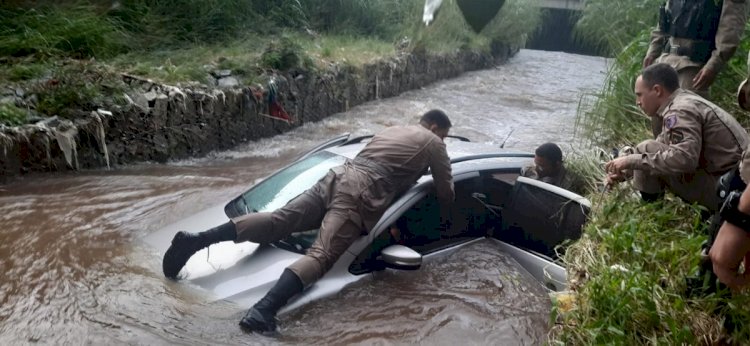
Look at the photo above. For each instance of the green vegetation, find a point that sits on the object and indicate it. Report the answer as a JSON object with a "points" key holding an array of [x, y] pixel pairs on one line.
{"points": [[628, 270], [182, 41], [11, 115]]}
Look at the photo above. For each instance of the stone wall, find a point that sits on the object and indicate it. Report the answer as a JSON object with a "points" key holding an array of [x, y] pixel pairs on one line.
{"points": [[165, 122]]}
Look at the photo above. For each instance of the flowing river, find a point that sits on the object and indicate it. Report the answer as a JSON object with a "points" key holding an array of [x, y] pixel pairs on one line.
{"points": [[76, 270]]}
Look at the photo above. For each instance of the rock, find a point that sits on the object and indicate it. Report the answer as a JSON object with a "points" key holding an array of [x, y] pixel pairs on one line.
{"points": [[104, 113], [222, 73], [139, 100], [20, 93], [228, 82], [8, 100], [150, 96]]}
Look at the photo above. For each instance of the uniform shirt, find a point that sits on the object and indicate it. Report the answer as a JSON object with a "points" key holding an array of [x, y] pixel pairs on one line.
{"points": [[562, 179], [392, 162], [407, 151], [700, 135], [728, 35]]}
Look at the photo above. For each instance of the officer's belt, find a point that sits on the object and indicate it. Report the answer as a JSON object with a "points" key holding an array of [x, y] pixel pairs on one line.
{"points": [[372, 166]]}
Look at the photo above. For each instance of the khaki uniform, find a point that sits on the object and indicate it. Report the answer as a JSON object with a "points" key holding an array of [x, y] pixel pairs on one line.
{"points": [[730, 28], [698, 143], [351, 198], [562, 179]]}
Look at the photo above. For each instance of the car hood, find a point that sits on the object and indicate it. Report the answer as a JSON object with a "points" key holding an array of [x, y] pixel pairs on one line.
{"points": [[242, 272]]}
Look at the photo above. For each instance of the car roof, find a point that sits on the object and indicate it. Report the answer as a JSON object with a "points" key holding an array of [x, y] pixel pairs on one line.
{"points": [[457, 149]]}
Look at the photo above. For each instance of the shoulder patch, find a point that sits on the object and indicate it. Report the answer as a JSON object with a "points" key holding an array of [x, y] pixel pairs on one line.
{"points": [[670, 121]]}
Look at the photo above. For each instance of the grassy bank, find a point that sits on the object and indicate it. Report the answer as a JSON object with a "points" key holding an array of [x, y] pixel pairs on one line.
{"points": [[628, 271], [184, 41]]}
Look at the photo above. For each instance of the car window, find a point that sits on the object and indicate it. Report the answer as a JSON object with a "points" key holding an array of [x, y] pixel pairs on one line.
{"points": [[280, 188], [288, 183]]}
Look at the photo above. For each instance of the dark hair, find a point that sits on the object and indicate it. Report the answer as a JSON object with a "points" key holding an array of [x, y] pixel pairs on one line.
{"points": [[549, 151], [436, 117], [661, 74]]}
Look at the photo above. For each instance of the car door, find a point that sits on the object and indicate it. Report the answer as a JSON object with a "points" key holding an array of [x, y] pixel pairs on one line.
{"points": [[417, 216], [538, 216]]}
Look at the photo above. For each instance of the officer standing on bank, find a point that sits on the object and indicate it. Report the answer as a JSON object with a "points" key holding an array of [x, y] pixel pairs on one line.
{"points": [[697, 38]]}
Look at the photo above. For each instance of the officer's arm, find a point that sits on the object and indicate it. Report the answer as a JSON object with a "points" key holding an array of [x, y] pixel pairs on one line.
{"points": [[440, 165], [658, 40], [729, 33], [683, 153]]}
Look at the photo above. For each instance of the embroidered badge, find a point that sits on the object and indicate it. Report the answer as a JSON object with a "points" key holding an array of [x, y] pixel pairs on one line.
{"points": [[670, 121]]}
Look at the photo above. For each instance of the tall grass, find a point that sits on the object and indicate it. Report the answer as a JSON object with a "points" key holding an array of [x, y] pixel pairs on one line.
{"points": [[384, 19], [612, 25], [516, 20], [76, 30], [628, 270]]}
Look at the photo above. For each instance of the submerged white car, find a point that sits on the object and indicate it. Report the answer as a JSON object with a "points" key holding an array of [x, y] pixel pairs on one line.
{"points": [[528, 218]]}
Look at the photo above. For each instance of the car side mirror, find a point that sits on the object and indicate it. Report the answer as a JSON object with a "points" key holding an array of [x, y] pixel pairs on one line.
{"points": [[401, 257]]}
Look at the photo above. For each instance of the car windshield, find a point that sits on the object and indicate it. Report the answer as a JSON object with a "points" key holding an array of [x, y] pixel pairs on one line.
{"points": [[280, 188]]}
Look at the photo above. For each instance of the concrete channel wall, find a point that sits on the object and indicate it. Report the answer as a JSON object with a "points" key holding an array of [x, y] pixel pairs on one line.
{"points": [[164, 122]]}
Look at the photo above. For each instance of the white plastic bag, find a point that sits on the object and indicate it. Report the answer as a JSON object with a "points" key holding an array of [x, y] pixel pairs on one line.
{"points": [[430, 7]]}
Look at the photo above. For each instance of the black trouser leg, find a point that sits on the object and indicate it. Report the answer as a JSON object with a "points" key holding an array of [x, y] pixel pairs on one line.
{"points": [[262, 316]]}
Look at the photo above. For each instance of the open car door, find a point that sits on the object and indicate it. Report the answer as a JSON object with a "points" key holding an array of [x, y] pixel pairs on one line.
{"points": [[541, 216]]}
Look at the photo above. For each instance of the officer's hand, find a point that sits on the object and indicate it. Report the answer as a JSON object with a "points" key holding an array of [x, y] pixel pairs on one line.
{"points": [[613, 179], [704, 78], [647, 61], [615, 166], [731, 247]]}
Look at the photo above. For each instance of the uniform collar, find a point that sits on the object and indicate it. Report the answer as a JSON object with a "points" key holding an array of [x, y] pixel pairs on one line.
{"points": [[666, 105]]}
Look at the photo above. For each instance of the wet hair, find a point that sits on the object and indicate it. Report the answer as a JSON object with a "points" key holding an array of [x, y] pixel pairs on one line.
{"points": [[549, 151], [661, 74], [436, 117]]}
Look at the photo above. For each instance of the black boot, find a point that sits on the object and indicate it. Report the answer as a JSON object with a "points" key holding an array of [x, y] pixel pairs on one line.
{"points": [[262, 316], [186, 244]]}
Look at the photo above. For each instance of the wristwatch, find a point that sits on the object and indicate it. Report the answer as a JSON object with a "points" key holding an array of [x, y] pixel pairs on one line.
{"points": [[730, 211]]}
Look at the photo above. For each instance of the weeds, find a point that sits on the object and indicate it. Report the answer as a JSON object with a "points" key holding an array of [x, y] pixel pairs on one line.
{"points": [[75, 31], [12, 115], [76, 88]]}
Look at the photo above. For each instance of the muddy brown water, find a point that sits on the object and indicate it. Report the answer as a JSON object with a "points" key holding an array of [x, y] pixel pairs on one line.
{"points": [[75, 270]]}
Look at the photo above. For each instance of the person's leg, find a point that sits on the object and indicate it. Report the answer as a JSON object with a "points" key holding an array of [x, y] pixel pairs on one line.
{"points": [[650, 186], [337, 233], [699, 187], [302, 213]]}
